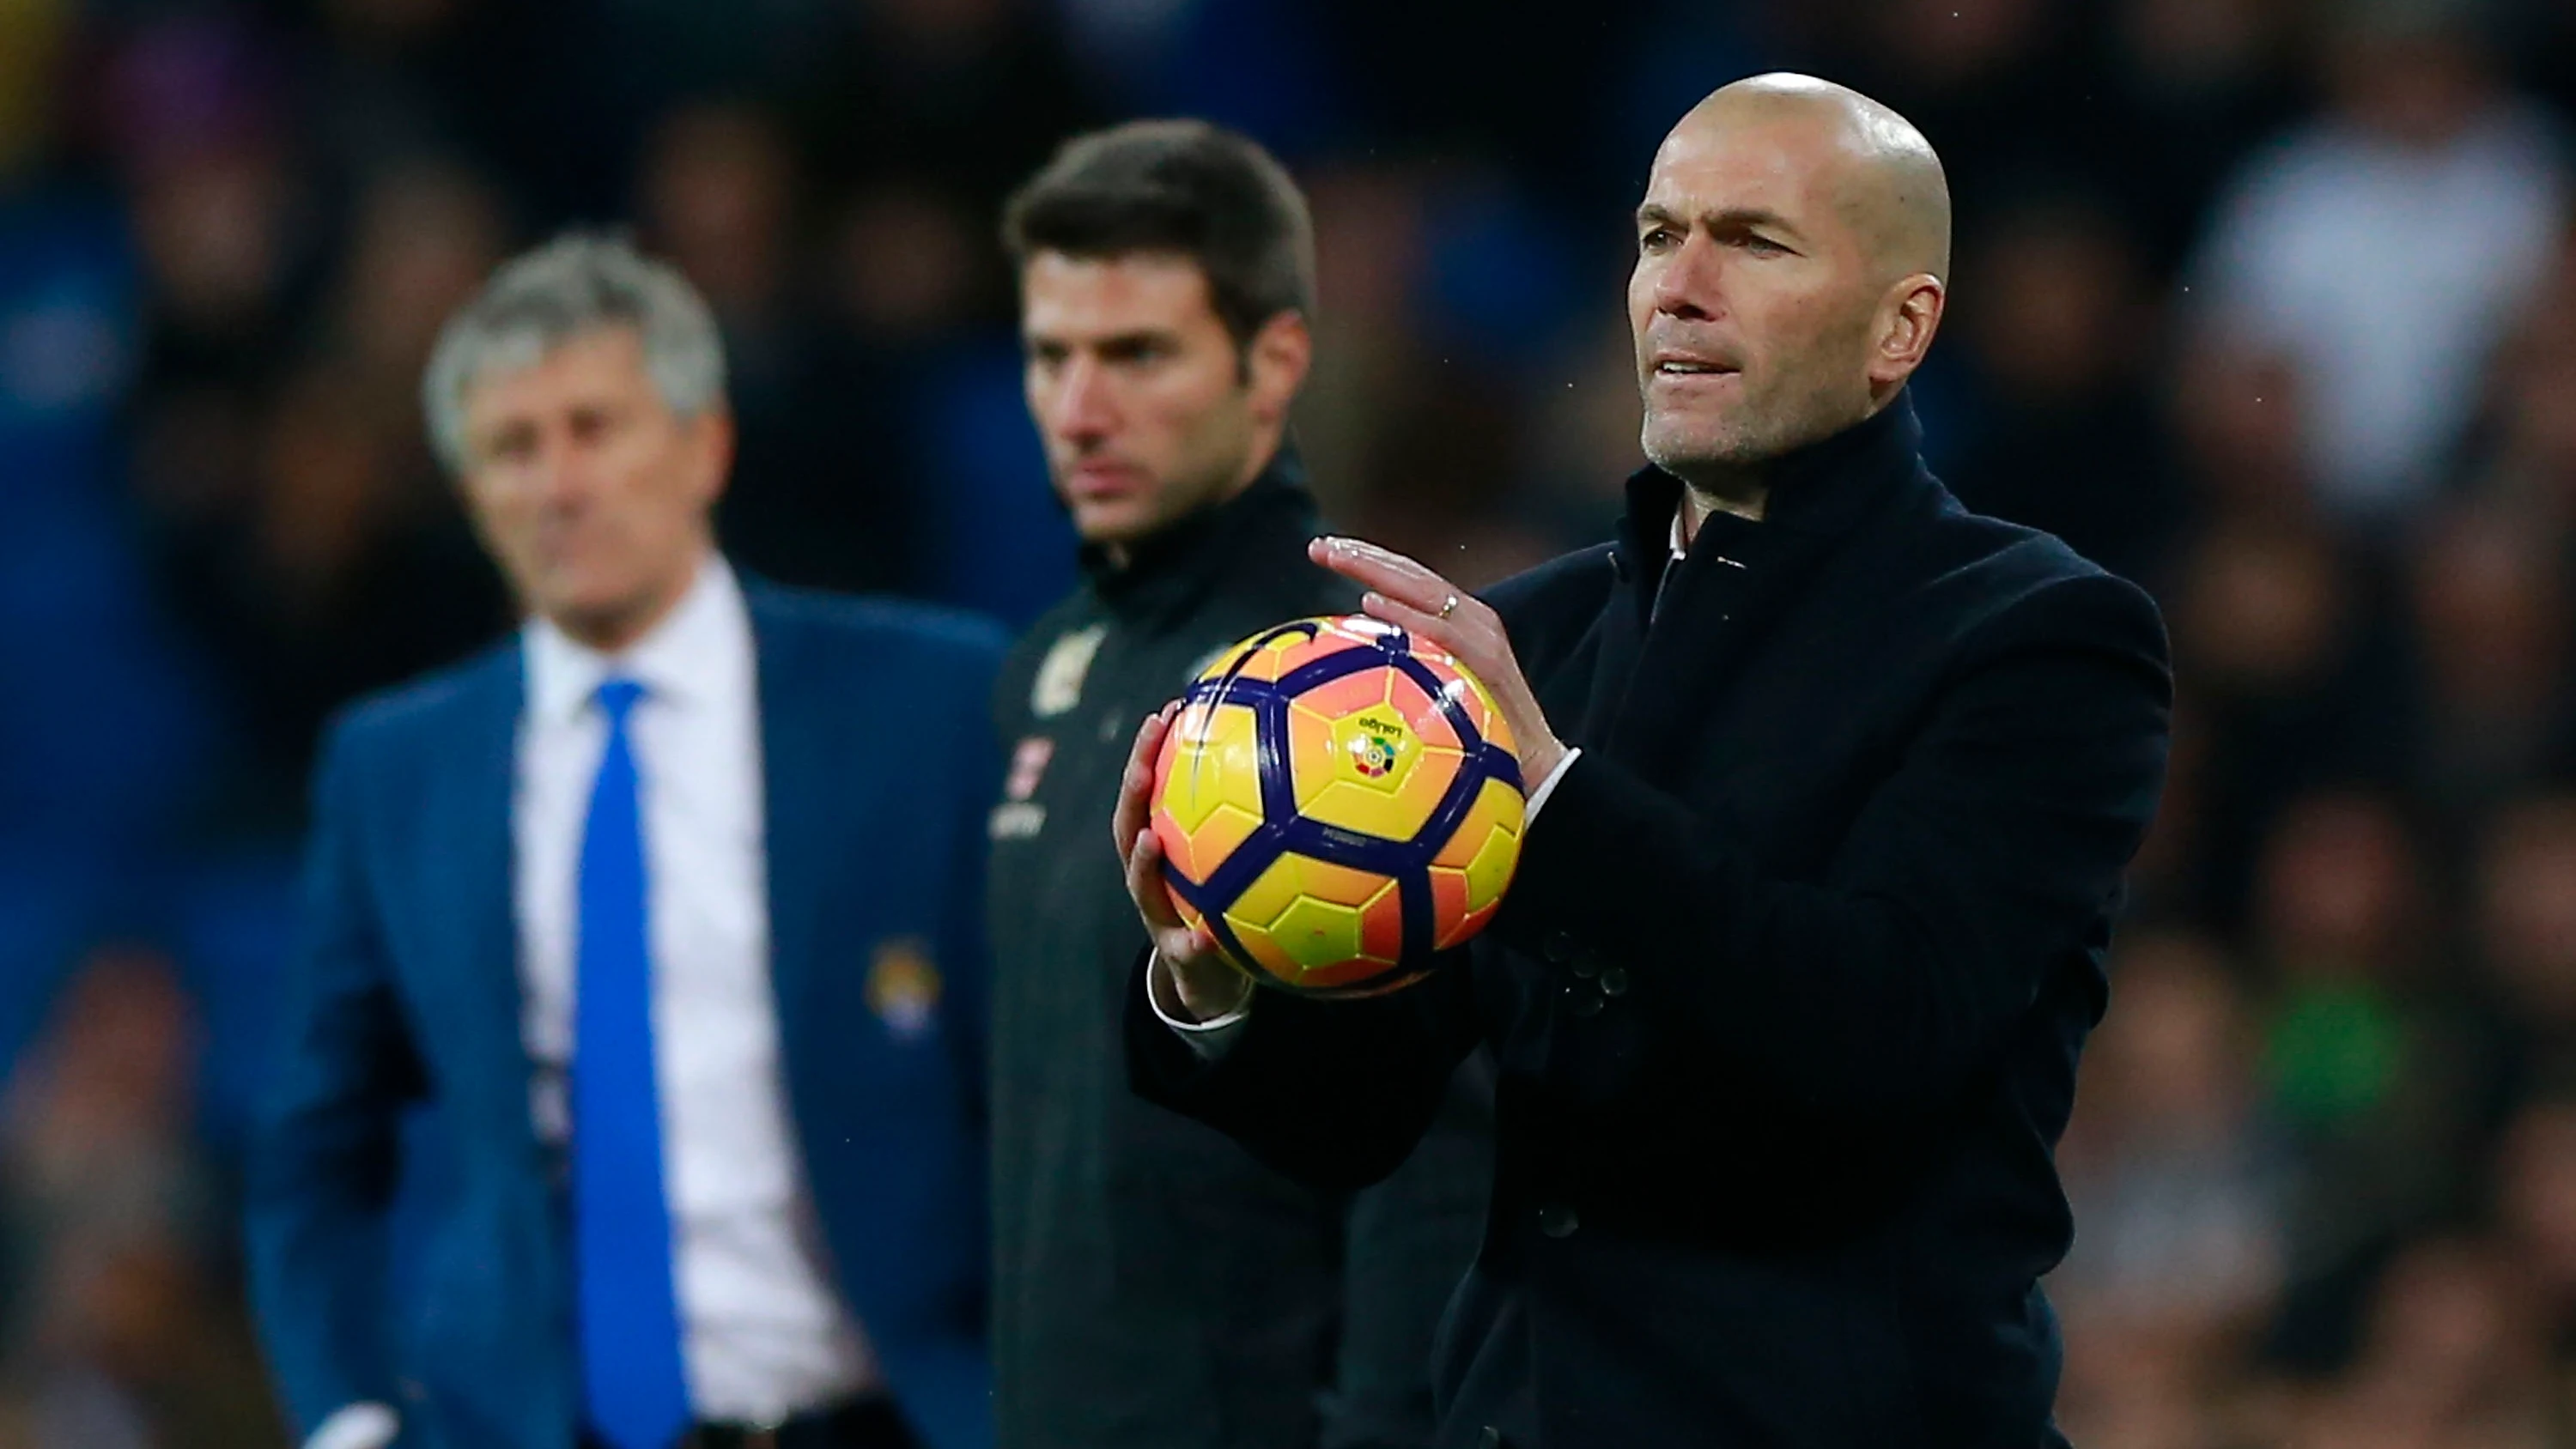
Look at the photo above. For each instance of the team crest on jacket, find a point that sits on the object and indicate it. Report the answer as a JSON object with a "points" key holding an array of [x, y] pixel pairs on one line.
{"points": [[1028, 766], [1060, 674], [1018, 817], [903, 988]]}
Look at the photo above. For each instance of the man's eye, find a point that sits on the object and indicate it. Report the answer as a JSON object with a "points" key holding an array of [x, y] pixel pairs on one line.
{"points": [[1656, 239]]}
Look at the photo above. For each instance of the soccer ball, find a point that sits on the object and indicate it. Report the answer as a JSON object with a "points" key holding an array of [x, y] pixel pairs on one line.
{"points": [[1337, 802]]}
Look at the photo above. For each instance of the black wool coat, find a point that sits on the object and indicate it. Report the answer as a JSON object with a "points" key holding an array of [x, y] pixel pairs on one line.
{"points": [[1788, 992]]}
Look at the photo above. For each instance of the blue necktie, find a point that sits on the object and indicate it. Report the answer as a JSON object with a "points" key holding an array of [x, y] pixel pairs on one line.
{"points": [[634, 1386]]}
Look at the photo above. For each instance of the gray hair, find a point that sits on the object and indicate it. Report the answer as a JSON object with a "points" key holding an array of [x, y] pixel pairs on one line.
{"points": [[541, 299]]}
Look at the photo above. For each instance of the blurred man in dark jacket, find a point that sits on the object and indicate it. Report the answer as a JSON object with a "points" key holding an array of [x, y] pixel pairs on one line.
{"points": [[1158, 1288]]}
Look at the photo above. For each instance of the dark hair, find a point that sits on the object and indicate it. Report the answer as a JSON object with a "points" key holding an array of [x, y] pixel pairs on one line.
{"points": [[1184, 187]]}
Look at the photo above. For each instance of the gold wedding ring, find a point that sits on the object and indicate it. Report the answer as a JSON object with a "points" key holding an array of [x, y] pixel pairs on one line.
{"points": [[1449, 606]]}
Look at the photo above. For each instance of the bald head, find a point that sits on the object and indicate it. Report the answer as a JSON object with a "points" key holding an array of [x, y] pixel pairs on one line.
{"points": [[1882, 175], [1793, 255]]}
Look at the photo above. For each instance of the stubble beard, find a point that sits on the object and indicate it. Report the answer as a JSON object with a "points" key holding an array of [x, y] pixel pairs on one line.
{"points": [[1723, 459], [1727, 457]]}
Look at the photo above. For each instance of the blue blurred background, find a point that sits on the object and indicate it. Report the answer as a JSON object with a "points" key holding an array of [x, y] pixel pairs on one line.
{"points": [[2269, 304]]}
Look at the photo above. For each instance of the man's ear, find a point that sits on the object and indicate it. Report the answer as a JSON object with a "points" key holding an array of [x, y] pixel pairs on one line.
{"points": [[1906, 324], [1275, 363], [712, 439]]}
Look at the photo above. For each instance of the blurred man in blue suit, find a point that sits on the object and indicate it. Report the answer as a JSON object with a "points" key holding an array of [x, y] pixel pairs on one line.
{"points": [[668, 908]]}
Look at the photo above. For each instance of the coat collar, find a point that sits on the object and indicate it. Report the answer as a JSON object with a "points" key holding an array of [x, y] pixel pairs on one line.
{"points": [[1172, 569], [700, 652], [1823, 488], [1707, 628]]}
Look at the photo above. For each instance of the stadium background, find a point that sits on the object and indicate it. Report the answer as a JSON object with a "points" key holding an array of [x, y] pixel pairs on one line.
{"points": [[2266, 303]]}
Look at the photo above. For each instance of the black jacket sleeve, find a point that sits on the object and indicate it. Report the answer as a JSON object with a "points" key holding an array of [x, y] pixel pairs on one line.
{"points": [[1332, 1093], [1986, 857]]}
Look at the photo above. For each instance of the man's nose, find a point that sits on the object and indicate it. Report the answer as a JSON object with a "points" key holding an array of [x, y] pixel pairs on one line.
{"points": [[1689, 285], [561, 475], [1086, 408]]}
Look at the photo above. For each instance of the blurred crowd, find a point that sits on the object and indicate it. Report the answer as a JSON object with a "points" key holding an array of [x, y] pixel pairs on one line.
{"points": [[2264, 303]]}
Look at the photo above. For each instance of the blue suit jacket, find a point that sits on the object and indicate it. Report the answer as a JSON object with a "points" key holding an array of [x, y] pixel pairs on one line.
{"points": [[878, 766]]}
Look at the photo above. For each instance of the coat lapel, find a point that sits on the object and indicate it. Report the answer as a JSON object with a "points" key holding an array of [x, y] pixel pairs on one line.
{"points": [[466, 830], [795, 754], [474, 839], [1695, 647], [1619, 636], [1704, 635]]}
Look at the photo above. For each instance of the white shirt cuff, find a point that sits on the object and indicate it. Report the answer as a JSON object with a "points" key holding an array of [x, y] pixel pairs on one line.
{"points": [[1547, 787], [357, 1426], [1209, 1038]]}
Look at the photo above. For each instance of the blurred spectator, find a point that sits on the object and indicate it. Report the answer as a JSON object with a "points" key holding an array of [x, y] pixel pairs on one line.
{"points": [[1974, 75], [718, 197], [425, 236], [305, 580], [1418, 438], [1369, 248], [118, 1332], [223, 220], [2536, 1219], [2068, 439], [976, 92], [2197, 82], [2491, 620], [2453, 1358], [2321, 248], [2284, 676], [826, 470], [2366, 1060], [2241, 415], [2178, 1198], [2523, 928], [2528, 465], [394, 80]]}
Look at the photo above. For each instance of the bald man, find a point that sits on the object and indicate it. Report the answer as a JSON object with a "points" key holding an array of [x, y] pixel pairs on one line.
{"points": [[1832, 786]]}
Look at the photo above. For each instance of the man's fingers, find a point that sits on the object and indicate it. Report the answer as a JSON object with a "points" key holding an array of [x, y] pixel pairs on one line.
{"points": [[1421, 624], [1145, 885], [1370, 564], [1136, 786], [1475, 638], [1471, 640], [1388, 573]]}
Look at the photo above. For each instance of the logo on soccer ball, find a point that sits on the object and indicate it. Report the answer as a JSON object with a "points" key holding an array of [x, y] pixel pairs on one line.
{"points": [[1377, 745], [1372, 756]]}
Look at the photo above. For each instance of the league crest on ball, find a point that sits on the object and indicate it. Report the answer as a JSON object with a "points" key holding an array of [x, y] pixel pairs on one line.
{"points": [[1337, 802]]}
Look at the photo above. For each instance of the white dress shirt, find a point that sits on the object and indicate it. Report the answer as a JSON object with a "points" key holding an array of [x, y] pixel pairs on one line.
{"points": [[764, 1335]]}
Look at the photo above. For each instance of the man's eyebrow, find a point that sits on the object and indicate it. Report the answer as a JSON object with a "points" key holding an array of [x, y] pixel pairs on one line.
{"points": [[1734, 218]]}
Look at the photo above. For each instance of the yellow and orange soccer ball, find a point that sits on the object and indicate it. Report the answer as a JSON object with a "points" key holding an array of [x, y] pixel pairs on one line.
{"points": [[1337, 802]]}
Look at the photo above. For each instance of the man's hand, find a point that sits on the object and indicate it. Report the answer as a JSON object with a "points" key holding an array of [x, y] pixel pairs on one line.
{"points": [[1429, 607], [1209, 984]]}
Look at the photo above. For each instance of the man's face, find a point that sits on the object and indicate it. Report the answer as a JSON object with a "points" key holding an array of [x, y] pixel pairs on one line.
{"points": [[1138, 391], [591, 493], [1753, 298]]}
